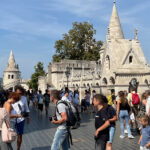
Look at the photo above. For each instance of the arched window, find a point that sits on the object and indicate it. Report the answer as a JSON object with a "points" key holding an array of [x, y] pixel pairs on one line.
{"points": [[146, 81], [8, 76], [12, 76], [84, 85], [97, 84], [104, 81], [112, 80], [107, 62], [130, 59]]}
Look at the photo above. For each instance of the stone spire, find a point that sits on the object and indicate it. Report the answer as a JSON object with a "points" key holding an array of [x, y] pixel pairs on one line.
{"points": [[115, 26], [11, 65]]}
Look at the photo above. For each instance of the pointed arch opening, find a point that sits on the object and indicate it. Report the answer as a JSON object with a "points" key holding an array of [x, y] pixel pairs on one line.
{"points": [[104, 81], [108, 62], [130, 59], [112, 80]]}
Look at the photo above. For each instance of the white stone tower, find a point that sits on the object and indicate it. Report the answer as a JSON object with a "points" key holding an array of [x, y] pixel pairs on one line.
{"points": [[11, 76]]}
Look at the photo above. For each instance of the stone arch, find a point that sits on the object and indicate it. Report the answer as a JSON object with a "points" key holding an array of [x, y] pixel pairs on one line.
{"points": [[133, 84], [100, 63], [97, 84], [88, 85], [146, 81], [104, 81], [84, 85], [112, 80], [107, 62]]}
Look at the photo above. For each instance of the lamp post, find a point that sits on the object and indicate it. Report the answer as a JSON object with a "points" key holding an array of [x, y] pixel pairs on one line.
{"points": [[67, 74]]}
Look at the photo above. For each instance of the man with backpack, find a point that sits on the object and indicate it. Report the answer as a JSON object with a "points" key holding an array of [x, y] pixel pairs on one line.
{"points": [[134, 101], [62, 135]]}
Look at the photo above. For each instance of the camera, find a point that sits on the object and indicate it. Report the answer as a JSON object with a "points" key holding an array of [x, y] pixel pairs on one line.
{"points": [[25, 114], [51, 118]]}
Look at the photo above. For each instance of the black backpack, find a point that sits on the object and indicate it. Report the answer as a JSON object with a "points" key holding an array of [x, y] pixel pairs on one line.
{"points": [[71, 111]]}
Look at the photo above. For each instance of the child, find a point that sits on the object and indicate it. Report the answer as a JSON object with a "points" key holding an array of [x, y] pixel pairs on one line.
{"points": [[144, 140], [101, 123]]}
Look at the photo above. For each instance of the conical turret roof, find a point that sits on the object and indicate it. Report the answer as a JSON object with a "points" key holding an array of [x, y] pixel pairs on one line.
{"points": [[115, 29], [11, 65]]}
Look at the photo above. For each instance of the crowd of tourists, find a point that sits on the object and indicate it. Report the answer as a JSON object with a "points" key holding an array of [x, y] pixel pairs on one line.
{"points": [[131, 109]]}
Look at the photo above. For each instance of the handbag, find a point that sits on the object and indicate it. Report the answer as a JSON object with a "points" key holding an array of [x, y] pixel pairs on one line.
{"points": [[8, 134]]}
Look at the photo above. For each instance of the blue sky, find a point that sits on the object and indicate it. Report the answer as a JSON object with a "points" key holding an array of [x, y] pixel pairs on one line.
{"points": [[31, 27]]}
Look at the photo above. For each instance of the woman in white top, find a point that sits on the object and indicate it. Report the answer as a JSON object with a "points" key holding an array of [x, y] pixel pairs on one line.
{"points": [[5, 115]]}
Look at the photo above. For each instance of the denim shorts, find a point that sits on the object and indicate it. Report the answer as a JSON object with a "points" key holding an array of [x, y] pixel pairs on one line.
{"points": [[18, 127], [111, 134]]}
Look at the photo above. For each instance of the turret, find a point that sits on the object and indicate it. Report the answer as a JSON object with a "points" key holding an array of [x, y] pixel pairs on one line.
{"points": [[115, 29]]}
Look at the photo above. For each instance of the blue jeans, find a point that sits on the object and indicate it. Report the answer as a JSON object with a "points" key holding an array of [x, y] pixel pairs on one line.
{"points": [[123, 115], [60, 139], [111, 134]]}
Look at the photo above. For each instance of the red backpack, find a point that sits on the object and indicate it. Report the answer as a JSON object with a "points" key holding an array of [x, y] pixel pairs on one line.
{"points": [[135, 99]]}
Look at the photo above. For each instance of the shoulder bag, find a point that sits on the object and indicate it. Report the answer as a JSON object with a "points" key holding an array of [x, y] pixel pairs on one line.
{"points": [[8, 134]]}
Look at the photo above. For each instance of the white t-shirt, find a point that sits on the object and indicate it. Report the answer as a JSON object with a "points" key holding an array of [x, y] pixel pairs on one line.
{"points": [[64, 98], [24, 108], [61, 108], [148, 105], [117, 98]]}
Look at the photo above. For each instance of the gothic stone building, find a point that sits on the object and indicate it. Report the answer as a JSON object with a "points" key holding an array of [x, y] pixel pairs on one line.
{"points": [[121, 63]]}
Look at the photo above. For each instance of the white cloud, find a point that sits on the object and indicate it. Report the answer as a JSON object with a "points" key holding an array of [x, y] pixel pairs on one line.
{"points": [[81, 8]]}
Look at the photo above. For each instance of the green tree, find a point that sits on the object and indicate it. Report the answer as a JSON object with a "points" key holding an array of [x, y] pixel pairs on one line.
{"points": [[39, 71], [78, 43]]}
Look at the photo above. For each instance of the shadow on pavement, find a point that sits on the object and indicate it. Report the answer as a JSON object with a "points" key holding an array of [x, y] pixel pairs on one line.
{"points": [[41, 148], [39, 121]]}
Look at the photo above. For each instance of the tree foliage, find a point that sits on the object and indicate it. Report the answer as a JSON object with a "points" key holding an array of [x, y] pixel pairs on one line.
{"points": [[39, 71], [78, 44]]}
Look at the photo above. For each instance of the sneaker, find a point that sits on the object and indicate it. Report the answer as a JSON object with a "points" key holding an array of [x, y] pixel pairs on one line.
{"points": [[122, 136], [131, 137], [125, 131]]}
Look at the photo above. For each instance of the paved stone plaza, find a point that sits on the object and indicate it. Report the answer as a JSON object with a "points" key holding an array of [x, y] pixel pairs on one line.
{"points": [[39, 134]]}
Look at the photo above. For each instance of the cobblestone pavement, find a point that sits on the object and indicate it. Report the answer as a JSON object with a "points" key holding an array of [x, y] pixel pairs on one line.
{"points": [[39, 134]]}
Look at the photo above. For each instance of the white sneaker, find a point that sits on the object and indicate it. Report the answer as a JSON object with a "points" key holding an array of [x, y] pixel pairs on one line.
{"points": [[122, 136], [131, 137], [125, 131]]}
